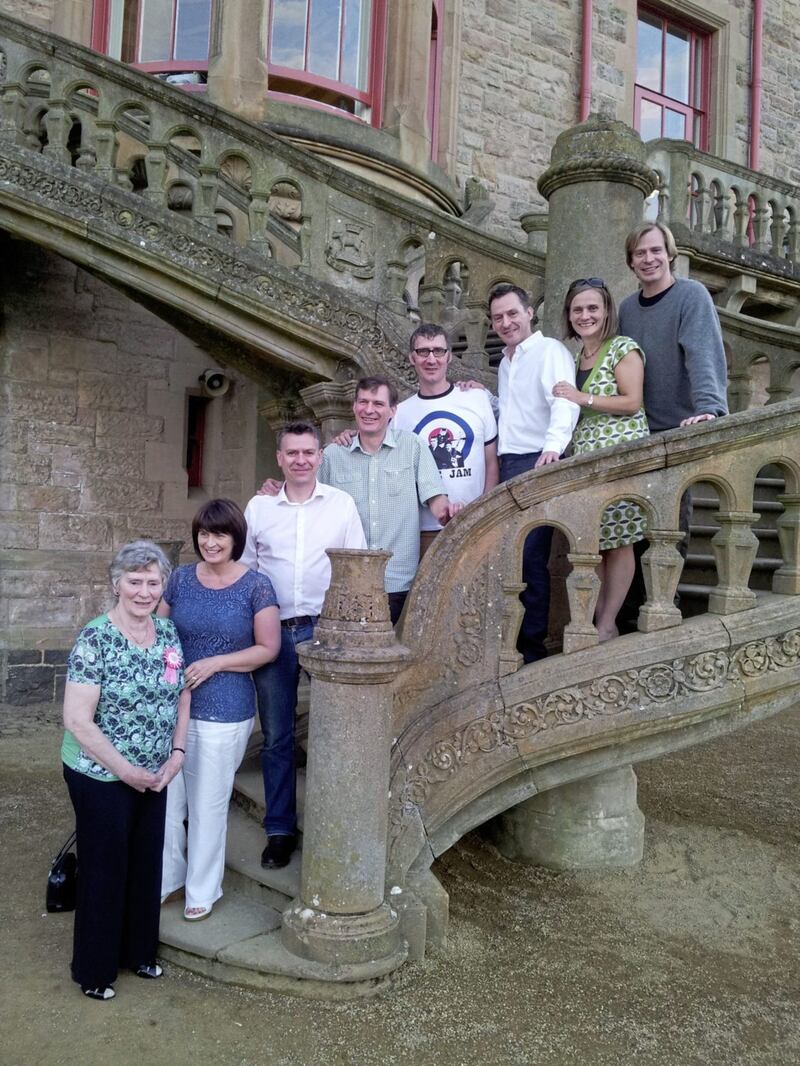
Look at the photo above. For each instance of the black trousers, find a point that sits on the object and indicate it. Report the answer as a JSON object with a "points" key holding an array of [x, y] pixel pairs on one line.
{"points": [[120, 840]]}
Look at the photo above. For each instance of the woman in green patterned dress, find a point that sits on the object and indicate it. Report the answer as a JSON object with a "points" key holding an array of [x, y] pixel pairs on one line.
{"points": [[608, 390], [125, 716]]}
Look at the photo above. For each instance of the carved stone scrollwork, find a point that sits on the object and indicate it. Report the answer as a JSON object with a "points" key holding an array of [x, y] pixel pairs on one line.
{"points": [[605, 697], [583, 587], [661, 569], [786, 580], [734, 547]]}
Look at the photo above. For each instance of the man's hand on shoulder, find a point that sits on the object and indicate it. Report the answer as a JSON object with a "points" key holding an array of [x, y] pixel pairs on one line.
{"points": [[271, 487], [471, 384], [697, 418], [345, 438], [546, 458]]}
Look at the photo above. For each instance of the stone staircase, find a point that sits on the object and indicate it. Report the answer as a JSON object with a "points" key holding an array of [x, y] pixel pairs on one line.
{"points": [[241, 940], [700, 572]]}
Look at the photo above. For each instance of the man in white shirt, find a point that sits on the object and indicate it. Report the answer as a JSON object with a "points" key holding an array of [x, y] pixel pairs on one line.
{"points": [[458, 426], [535, 428], [287, 536]]}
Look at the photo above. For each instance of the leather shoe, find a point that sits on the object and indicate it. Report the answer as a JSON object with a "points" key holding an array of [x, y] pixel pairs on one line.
{"points": [[278, 851]]}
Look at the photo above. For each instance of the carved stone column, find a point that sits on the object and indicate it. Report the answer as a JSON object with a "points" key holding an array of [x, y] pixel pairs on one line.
{"points": [[600, 162], [332, 404], [237, 61], [661, 569], [734, 547], [786, 580], [583, 588], [587, 824], [406, 81], [341, 920]]}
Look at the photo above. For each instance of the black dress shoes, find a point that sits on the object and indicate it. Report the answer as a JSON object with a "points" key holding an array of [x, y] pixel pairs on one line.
{"points": [[278, 851]]}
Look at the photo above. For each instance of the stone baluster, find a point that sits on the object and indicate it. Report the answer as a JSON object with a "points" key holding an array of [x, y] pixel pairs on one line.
{"points": [[761, 230], [741, 221], [583, 588], [11, 115], [786, 580], [105, 146], [510, 658], [723, 216], [701, 210], [395, 285], [156, 165], [475, 326], [58, 123], [734, 548], [205, 201], [740, 391], [661, 569], [793, 236], [778, 229], [341, 923], [87, 152], [431, 302]]}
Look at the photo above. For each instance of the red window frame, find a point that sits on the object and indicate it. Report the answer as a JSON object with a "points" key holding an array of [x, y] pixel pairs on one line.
{"points": [[699, 40], [301, 86], [101, 20]]}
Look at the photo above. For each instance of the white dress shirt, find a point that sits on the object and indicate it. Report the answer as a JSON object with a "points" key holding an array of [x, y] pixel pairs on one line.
{"points": [[287, 542], [531, 418]]}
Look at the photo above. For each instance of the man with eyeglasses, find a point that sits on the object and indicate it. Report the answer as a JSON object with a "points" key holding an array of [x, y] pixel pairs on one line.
{"points": [[458, 426]]}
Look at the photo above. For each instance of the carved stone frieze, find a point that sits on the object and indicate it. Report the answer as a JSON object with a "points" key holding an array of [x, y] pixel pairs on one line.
{"points": [[603, 697]]}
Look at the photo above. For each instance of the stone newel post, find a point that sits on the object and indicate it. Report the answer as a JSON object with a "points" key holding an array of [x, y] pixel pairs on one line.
{"points": [[341, 919]]}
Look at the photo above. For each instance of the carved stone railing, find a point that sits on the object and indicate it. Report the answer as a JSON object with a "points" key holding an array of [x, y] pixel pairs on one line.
{"points": [[756, 216], [222, 197], [476, 732]]}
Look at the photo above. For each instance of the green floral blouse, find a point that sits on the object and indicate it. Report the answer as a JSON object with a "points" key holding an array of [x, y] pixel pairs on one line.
{"points": [[139, 691]]}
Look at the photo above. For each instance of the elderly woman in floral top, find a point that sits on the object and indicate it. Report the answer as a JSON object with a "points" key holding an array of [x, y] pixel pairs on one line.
{"points": [[125, 717], [609, 379]]}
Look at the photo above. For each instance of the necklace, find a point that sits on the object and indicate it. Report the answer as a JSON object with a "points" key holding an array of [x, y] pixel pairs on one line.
{"points": [[140, 642], [589, 357]]}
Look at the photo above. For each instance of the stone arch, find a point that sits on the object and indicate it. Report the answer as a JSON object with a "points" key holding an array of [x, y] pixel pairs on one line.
{"points": [[34, 76], [185, 138]]}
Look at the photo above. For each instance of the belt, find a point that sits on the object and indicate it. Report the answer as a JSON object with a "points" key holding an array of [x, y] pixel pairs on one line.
{"points": [[300, 620]]}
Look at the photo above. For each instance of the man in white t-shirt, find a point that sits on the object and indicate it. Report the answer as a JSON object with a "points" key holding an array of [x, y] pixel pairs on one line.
{"points": [[458, 426]]}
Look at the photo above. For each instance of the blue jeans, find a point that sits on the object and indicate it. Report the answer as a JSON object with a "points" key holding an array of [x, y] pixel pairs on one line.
{"points": [[276, 685], [535, 597]]}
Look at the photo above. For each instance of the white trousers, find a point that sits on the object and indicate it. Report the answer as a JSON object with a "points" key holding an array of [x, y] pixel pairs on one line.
{"points": [[201, 792]]}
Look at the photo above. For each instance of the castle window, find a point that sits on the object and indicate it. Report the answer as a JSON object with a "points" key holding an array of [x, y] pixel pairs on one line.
{"points": [[329, 53], [160, 36], [672, 79]]}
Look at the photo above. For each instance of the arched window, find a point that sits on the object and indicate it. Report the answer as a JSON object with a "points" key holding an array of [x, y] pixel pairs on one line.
{"points": [[160, 36], [329, 53]]}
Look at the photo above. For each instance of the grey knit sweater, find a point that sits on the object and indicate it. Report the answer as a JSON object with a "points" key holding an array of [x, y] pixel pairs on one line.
{"points": [[685, 371]]}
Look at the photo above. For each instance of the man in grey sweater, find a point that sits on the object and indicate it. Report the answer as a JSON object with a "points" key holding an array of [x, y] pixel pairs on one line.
{"points": [[675, 323]]}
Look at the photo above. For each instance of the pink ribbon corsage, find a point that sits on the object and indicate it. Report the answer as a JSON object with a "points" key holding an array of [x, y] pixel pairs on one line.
{"points": [[172, 664]]}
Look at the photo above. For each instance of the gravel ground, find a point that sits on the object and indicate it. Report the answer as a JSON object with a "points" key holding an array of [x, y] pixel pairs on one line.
{"points": [[690, 958]]}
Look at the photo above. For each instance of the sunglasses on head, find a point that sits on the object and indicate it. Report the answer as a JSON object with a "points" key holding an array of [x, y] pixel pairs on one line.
{"points": [[593, 283]]}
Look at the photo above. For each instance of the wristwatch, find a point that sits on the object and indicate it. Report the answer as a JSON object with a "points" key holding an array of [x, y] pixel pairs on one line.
{"points": [[589, 400]]}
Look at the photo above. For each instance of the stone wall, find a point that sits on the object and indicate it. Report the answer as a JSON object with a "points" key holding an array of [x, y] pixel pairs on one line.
{"points": [[520, 87], [92, 447]]}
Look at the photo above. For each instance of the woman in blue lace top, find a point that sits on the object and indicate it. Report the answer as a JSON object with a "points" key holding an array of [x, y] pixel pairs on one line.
{"points": [[227, 618]]}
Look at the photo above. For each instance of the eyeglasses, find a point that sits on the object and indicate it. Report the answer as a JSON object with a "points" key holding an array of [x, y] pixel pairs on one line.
{"points": [[437, 353], [593, 283]]}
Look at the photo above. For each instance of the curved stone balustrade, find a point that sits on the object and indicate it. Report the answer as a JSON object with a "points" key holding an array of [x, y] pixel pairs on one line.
{"points": [[477, 733], [711, 197], [218, 200]]}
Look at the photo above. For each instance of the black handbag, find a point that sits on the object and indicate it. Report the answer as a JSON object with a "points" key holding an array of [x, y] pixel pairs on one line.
{"points": [[62, 881]]}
